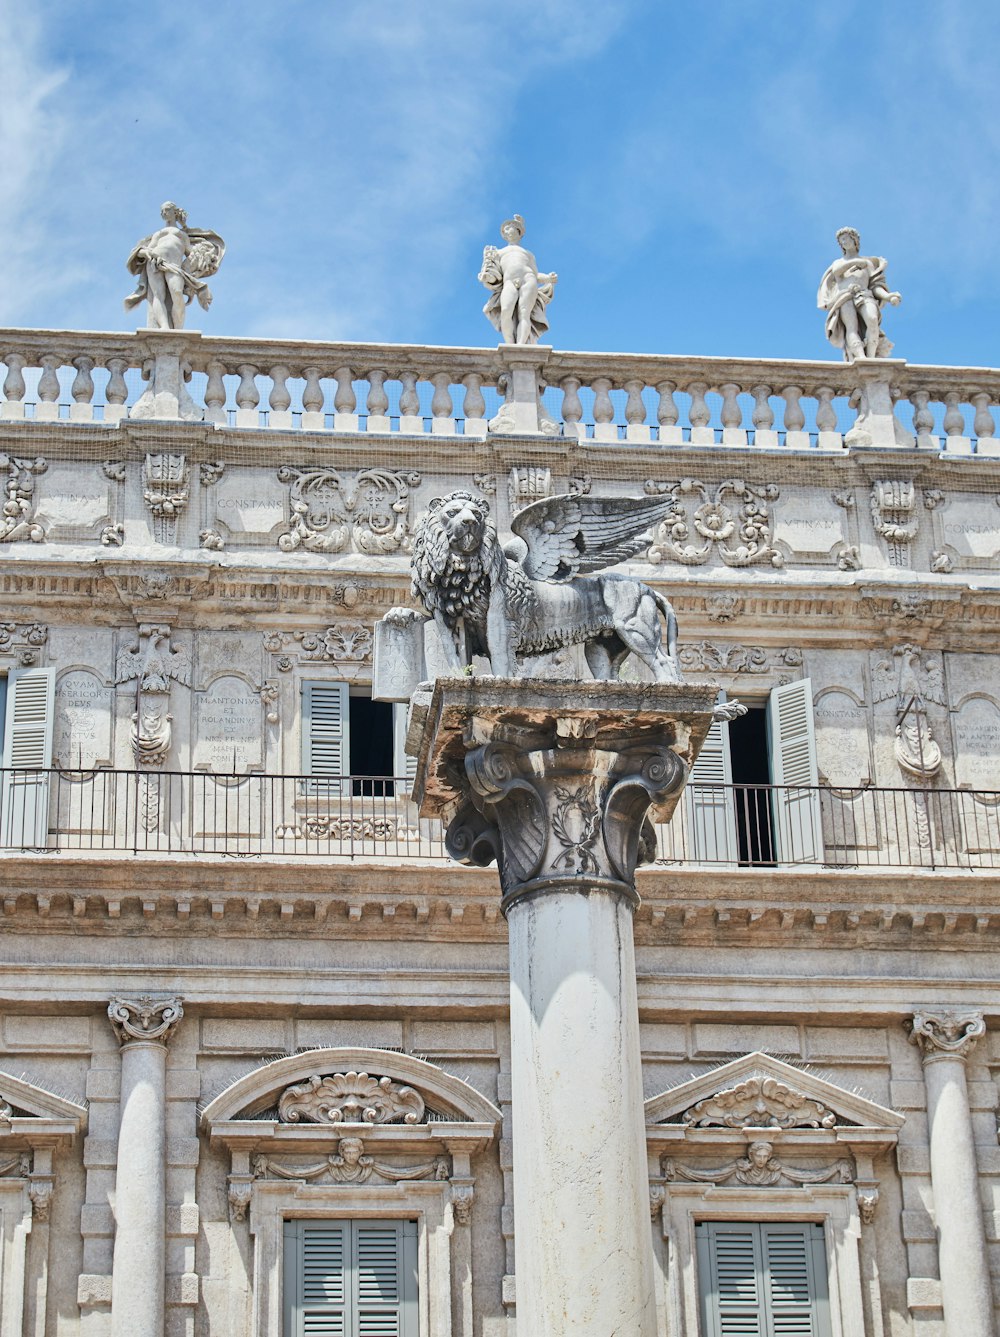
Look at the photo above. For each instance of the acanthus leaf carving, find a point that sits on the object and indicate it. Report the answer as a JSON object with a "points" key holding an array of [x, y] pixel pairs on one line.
{"points": [[895, 517], [759, 1168], [732, 520], [166, 490], [721, 657], [17, 518], [759, 1102], [330, 513], [350, 1097]]}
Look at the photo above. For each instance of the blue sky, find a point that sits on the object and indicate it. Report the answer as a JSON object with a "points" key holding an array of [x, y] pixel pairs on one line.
{"points": [[683, 167]]}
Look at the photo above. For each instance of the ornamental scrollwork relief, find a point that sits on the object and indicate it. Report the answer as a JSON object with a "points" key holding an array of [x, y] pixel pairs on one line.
{"points": [[732, 520], [759, 1168], [368, 513], [349, 1164], [895, 517], [17, 517], [166, 489], [759, 1102], [715, 656], [350, 1097], [144, 1017], [946, 1034], [23, 640]]}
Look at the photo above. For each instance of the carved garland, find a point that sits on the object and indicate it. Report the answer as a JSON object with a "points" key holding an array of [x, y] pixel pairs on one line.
{"points": [[329, 513], [759, 1168], [740, 533]]}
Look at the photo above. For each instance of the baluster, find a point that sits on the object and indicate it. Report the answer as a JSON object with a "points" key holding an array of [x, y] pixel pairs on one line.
{"points": [[47, 408], [474, 407], [345, 402], [313, 417], [82, 390], [410, 419], [984, 426], [635, 413], [954, 425], [280, 399], [116, 391], [13, 387], [733, 433], [377, 403], [700, 415], [795, 420], [668, 415], [605, 428], [247, 397], [828, 438], [762, 418], [443, 423], [215, 394], [923, 420], [572, 409]]}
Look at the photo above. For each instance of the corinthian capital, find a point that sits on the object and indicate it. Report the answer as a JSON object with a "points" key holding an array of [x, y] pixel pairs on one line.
{"points": [[946, 1034], [144, 1018]]}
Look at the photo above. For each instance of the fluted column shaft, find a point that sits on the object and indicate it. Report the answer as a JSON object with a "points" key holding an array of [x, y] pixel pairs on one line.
{"points": [[138, 1273], [946, 1039]]}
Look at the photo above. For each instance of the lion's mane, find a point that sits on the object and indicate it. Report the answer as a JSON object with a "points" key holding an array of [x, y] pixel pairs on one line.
{"points": [[458, 585]]}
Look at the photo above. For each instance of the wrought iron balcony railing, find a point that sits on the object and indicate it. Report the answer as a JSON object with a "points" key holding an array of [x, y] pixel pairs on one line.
{"points": [[372, 818]]}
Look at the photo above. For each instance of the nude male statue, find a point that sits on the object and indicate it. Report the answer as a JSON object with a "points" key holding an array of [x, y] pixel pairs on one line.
{"points": [[852, 292], [171, 266], [519, 294]]}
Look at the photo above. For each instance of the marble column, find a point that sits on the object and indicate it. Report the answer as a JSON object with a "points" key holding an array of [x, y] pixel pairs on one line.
{"points": [[143, 1027], [555, 780], [946, 1039]]}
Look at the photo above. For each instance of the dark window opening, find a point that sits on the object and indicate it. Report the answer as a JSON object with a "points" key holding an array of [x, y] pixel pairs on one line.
{"points": [[751, 768], [371, 746]]}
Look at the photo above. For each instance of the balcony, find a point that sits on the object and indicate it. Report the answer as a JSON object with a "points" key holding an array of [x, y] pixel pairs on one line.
{"points": [[287, 818]]}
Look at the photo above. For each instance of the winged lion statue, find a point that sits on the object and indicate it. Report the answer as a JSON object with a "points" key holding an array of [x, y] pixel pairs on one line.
{"points": [[546, 588]]}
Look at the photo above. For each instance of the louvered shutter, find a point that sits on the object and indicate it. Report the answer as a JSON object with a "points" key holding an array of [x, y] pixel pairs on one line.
{"points": [[792, 746], [710, 807], [325, 732], [403, 767], [762, 1279], [27, 757], [350, 1279]]}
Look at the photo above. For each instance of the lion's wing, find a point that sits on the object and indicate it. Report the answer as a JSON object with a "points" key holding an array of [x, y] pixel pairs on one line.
{"points": [[570, 536]]}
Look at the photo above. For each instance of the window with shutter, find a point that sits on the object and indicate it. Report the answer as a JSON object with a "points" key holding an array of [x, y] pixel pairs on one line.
{"points": [[762, 1279], [325, 734], [403, 767], [792, 745], [350, 1279], [710, 808], [27, 757]]}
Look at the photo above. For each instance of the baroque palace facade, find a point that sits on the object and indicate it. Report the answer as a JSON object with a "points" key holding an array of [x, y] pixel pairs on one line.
{"points": [[255, 1062]]}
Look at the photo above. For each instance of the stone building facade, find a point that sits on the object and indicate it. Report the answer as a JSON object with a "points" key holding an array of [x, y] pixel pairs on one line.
{"points": [[255, 1023]]}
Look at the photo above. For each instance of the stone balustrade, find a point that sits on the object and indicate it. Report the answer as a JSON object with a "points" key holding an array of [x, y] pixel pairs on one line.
{"points": [[81, 377]]}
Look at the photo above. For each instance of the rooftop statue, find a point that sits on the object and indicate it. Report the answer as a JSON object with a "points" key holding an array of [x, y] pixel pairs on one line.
{"points": [[852, 292], [519, 294], [536, 594], [171, 266]]}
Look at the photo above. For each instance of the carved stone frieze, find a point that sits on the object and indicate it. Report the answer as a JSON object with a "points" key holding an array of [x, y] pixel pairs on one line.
{"points": [[528, 483], [350, 1097], [731, 520], [759, 1168], [895, 517], [947, 1033], [17, 517], [349, 1164], [720, 657], [337, 827], [166, 490], [23, 640], [759, 1102], [368, 513], [724, 607], [144, 1018]]}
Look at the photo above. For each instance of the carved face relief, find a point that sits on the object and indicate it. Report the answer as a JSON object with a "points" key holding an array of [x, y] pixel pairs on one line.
{"points": [[350, 1097]]}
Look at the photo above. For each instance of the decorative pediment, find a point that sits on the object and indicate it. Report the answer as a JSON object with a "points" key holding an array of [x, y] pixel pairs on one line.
{"points": [[27, 1110], [760, 1091], [370, 1087]]}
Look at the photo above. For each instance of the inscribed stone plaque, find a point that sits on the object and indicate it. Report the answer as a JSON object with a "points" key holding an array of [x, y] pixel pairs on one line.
{"points": [[250, 504], [970, 526], [84, 708], [807, 523], [842, 752], [228, 727], [977, 744], [73, 501]]}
